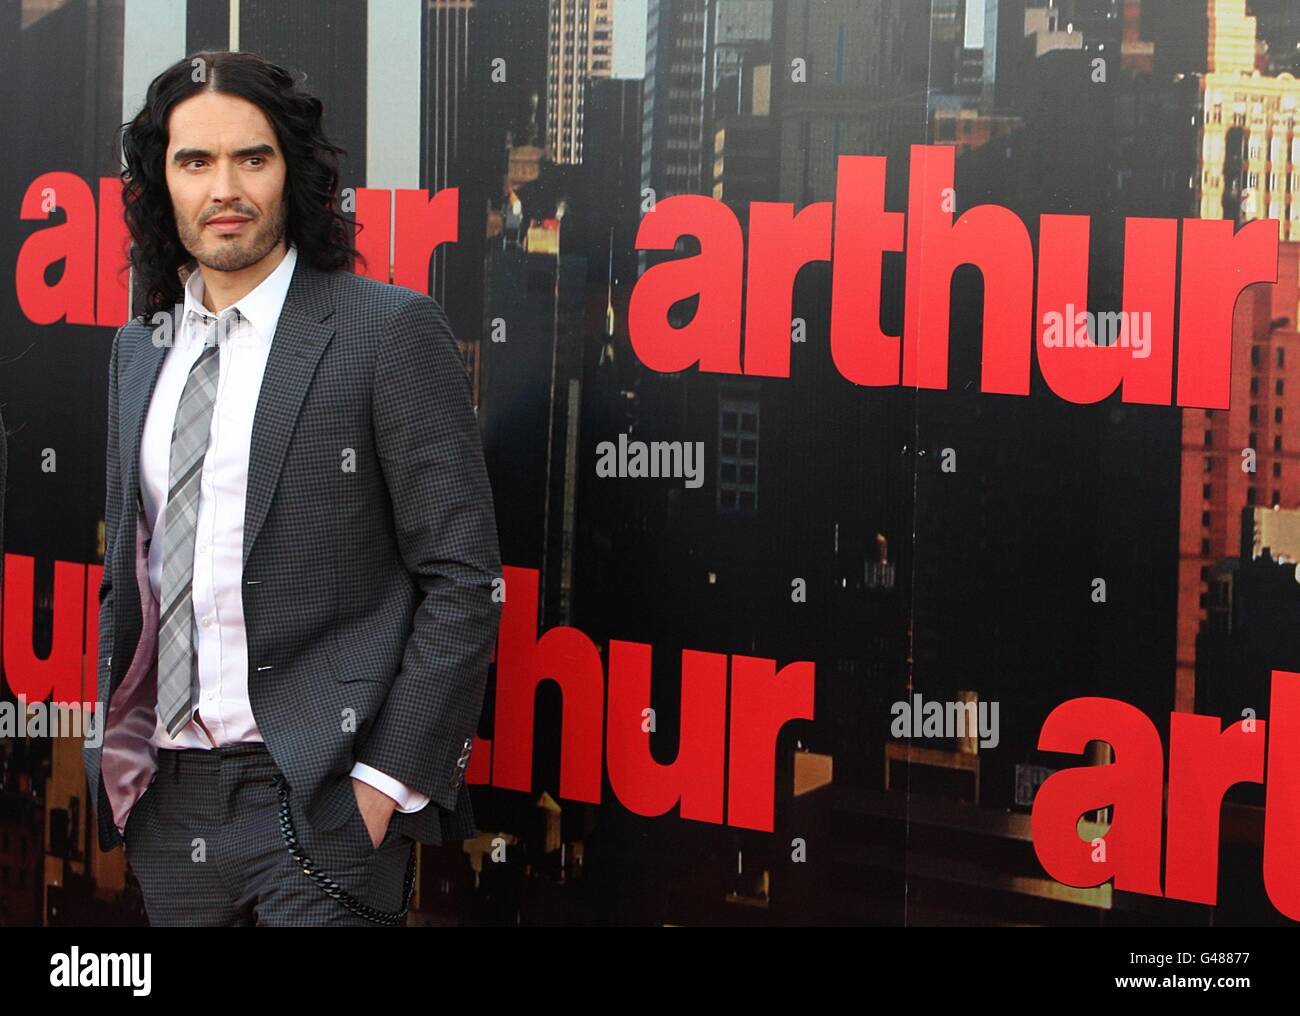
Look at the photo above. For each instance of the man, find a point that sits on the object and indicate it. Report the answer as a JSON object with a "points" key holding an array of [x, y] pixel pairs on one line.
{"points": [[301, 584]]}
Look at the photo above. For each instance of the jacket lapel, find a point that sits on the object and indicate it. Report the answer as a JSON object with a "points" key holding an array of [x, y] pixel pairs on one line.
{"points": [[300, 338], [136, 392], [139, 376]]}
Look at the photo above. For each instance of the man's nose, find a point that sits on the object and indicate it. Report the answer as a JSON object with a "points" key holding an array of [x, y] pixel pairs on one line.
{"points": [[225, 186]]}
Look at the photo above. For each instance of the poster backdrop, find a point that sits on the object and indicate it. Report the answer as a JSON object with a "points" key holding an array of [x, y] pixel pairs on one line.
{"points": [[891, 414]]}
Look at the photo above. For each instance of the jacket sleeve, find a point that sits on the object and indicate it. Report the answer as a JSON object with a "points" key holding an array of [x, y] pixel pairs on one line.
{"points": [[431, 456], [112, 506]]}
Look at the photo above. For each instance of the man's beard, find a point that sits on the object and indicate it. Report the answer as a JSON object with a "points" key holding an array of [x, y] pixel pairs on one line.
{"points": [[233, 253]]}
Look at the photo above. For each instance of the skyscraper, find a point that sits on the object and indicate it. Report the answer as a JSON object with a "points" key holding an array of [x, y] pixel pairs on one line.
{"points": [[580, 46], [1245, 455]]}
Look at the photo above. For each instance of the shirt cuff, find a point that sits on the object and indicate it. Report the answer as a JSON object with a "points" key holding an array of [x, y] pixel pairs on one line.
{"points": [[408, 799]]}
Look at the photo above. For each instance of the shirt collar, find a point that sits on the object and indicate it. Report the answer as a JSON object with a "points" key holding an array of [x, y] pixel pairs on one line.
{"points": [[260, 308]]}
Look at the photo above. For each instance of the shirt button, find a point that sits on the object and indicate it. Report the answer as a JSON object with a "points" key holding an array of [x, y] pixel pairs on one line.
{"points": [[207, 621]]}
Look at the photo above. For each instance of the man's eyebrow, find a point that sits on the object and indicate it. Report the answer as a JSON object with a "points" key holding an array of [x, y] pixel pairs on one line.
{"points": [[185, 154]]}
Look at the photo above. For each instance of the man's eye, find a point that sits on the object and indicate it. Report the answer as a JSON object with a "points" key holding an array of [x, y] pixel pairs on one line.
{"points": [[256, 158]]}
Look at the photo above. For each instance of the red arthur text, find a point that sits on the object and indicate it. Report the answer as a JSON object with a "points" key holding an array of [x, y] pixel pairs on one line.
{"points": [[1204, 761], [1201, 275]]}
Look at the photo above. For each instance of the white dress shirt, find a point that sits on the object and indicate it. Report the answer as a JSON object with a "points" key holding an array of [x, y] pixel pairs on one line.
{"points": [[222, 714]]}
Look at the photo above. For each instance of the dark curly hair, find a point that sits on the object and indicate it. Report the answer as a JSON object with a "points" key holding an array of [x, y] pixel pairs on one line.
{"points": [[322, 234]]}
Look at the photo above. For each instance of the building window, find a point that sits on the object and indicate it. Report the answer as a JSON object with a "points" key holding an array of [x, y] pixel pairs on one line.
{"points": [[1277, 469], [1278, 387], [1277, 415], [1277, 499], [1254, 414], [1209, 464], [1206, 491], [1254, 440], [1209, 438], [1251, 497], [738, 453], [1254, 386], [1255, 355], [1277, 442], [1205, 548], [1281, 357], [1205, 519]]}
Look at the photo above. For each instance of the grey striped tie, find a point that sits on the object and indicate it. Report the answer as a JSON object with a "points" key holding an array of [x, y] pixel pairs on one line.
{"points": [[178, 675]]}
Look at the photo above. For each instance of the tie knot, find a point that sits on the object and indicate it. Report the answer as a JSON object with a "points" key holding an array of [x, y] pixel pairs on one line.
{"points": [[214, 328]]}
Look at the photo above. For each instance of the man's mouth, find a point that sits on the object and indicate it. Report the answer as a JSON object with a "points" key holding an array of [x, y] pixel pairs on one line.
{"points": [[228, 223]]}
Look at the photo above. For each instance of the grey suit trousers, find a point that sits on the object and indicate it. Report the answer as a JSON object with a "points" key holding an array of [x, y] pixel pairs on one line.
{"points": [[205, 844]]}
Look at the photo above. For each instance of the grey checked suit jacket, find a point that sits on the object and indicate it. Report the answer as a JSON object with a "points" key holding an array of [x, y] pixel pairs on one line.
{"points": [[367, 590]]}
